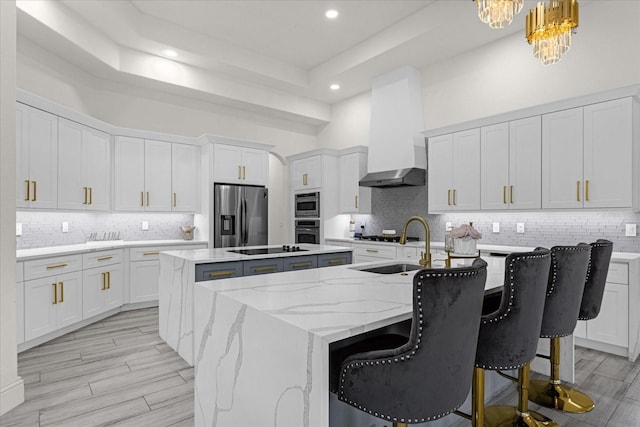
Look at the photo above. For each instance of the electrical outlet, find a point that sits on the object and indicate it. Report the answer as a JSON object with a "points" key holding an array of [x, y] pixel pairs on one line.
{"points": [[18, 229], [630, 230], [496, 227], [520, 227], [448, 225], [65, 227], [145, 225]]}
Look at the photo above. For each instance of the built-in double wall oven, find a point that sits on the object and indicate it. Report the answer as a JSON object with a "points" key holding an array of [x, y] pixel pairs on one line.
{"points": [[307, 214]]}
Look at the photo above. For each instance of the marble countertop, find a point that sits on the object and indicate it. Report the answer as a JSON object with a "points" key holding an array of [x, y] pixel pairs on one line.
{"points": [[200, 256], [498, 249], [27, 254]]}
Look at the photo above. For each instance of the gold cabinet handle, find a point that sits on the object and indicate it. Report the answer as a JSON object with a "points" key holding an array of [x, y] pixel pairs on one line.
{"points": [[305, 265], [511, 194], [55, 293], [586, 191], [373, 251], [356, 202], [239, 172], [150, 253], [265, 269], [28, 196], [61, 292], [105, 258], [449, 197], [90, 195], [104, 281], [35, 191], [49, 267], [174, 200], [148, 198], [108, 280], [85, 195], [335, 261], [578, 191], [454, 198], [142, 198], [221, 274], [244, 172], [504, 194]]}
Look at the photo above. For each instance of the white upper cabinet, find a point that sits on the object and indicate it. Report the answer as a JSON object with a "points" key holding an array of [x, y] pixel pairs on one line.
{"points": [[184, 179], [608, 159], [36, 158], [588, 156], [306, 173], [83, 167], [157, 176], [240, 165], [129, 174], [454, 171], [353, 198], [511, 165]]}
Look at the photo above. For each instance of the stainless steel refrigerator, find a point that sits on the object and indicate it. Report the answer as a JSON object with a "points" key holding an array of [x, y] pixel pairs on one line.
{"points": [[240, 215]]}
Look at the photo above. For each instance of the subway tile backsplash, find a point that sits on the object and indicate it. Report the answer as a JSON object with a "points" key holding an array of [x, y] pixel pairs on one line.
{"points": [[392, 206], [42, 229]]}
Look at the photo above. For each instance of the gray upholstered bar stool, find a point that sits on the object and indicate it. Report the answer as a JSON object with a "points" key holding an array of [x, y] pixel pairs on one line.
{"points": [[429, 376], [508, 337], [559, 314]]}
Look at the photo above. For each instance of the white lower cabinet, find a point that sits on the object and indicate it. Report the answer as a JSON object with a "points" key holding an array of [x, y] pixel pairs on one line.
{"points": [[366, 252], [611, 326], [52, 303], [103, 290], [19, 303]]}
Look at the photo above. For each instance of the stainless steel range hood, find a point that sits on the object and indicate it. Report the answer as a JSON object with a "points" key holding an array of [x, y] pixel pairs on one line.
{"points": [[394, 178], [397, 155]]}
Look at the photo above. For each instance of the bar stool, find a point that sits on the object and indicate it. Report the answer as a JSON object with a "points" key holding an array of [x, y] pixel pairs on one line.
{"points": [[559, 314], [508, 338], [428, 376]]}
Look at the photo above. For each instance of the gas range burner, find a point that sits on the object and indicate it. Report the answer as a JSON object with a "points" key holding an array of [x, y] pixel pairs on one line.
{"points": [[266, 251], [395, 239]]}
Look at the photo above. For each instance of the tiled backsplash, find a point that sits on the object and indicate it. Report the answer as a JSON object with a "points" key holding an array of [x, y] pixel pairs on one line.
{"points": [[392, 206], [41, 229]]}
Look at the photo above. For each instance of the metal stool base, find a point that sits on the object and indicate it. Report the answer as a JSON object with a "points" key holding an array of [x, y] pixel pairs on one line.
{"points": [[509, 416], [559, 396]]}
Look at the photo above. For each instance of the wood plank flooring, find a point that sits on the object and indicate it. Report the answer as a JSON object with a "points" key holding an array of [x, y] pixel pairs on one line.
{"points": [[118, 372]]}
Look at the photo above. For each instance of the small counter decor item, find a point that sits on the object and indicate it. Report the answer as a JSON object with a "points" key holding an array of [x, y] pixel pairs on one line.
{"points": [[188, 231], [465, 239]]}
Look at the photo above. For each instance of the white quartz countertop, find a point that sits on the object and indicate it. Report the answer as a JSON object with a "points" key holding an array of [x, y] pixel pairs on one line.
{"points": [[484, 249], [333, 302], [200, 256], [27, 254]]}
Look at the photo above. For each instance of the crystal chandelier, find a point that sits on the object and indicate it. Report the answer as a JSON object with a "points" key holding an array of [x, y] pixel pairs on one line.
{"points": [[549, 29], [496, 12]]}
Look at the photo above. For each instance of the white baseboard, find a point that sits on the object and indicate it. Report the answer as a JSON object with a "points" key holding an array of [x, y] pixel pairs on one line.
{"points": [[11, 395]]}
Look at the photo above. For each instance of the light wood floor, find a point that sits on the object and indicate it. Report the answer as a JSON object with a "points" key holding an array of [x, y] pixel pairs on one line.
{"points": [[119, 372]]}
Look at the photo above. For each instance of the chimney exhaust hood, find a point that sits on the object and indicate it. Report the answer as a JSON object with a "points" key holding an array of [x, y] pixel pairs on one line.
{"points": [[397, 154]]}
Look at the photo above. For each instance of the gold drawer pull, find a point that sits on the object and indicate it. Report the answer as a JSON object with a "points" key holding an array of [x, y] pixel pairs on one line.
{"points": [[108, 280], [105, 258], [85, 195], [455, 202], [35, 191], [28, 196], [150, 253], [239, 172], [265, 269], [147, 198], [336, 261], [305, 265], [104, 281], [511, 194], [244, 172], [61, 292], [504, 194], [586, 190], [55, 293], [49, 267], [578, 191], [174, 200], [374, 251], [142, 198], [449, 197], [90, 195], [221, 274], [356, 202]]}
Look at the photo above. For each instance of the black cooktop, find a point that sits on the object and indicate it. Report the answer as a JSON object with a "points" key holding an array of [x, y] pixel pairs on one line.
{"points": [[265, 251], [388, 238]]}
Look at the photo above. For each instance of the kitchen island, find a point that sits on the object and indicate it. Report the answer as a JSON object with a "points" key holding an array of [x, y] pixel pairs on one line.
{"points": [[180, 270], [262, 343]]}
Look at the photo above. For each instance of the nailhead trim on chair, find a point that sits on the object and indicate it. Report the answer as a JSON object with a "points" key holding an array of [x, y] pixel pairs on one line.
{"points": [[403, 358], [506, 314], [597, 245]]}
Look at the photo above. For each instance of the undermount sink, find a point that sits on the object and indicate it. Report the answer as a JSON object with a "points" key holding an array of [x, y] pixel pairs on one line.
{"points": [[391, 269]]}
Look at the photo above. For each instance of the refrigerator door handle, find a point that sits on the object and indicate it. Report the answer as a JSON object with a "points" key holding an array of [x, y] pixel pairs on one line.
{"points": [[245, 227]]}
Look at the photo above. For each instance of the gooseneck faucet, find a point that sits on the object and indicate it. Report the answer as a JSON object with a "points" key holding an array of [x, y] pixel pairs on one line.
{"points": [[425, 257]]}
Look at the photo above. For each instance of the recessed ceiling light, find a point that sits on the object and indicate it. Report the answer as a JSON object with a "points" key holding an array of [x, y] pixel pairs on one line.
{"points": [[170, 53], [334, 86], [331, 14]]}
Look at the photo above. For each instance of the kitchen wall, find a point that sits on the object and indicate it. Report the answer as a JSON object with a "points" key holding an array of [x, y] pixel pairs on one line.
{"points": [[391, 207], [40, 229]]}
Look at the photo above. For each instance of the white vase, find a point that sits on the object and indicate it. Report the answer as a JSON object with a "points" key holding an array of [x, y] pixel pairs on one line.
{"points": [[465, 245]]}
